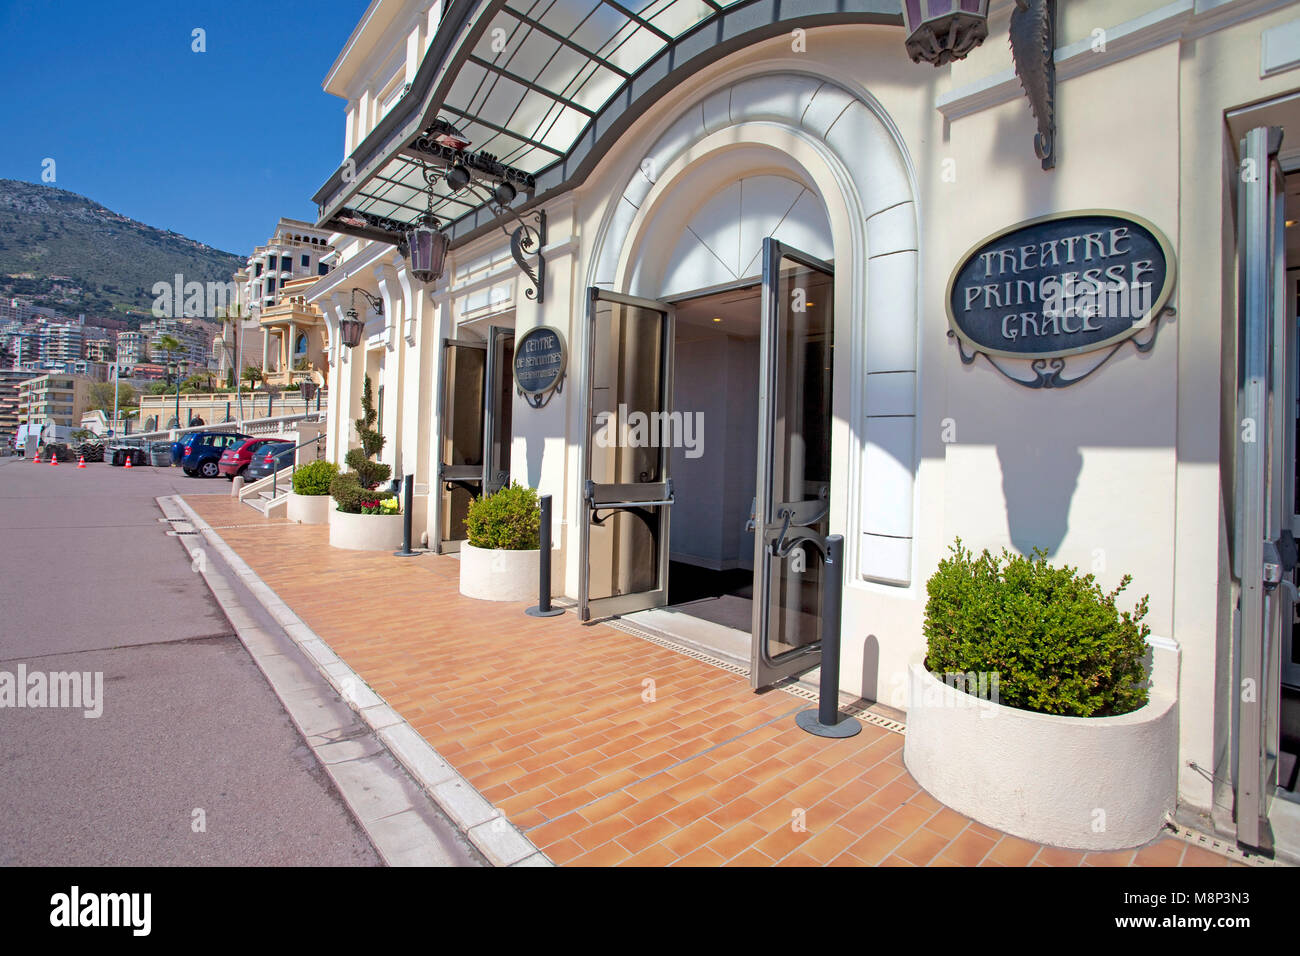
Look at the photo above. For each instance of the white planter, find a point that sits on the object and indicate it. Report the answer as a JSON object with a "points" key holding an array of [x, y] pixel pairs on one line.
{"points": [[309, 509], [492, 575], [1089, 783], [364, 532]]}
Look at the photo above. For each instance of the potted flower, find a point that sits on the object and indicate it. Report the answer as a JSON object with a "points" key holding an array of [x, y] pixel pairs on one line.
{"points": [[499, 561], [362, 521], [310, 498], [1033, 711]]}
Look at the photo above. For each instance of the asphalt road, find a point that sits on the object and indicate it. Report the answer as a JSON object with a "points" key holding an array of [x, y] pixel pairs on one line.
{"points": [[190, 734]]}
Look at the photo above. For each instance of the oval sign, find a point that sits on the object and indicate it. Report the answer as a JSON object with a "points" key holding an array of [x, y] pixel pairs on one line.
{"points": [[539, 361], [1061, 284]]}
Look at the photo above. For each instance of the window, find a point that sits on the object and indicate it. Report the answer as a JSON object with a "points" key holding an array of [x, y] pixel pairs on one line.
{"points": [[321, 268], [306, 260], [259, 270]]}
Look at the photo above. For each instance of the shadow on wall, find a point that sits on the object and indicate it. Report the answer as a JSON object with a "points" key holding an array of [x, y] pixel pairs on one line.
{"points": [[536, 447], [1038, 483]]}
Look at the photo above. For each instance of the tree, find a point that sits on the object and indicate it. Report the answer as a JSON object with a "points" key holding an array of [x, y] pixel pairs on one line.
{"points": [[253, 375], [369, 473], [101, 396]]}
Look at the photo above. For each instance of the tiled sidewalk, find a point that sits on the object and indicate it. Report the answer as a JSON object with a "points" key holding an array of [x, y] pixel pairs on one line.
{"points": [[607, 749]]}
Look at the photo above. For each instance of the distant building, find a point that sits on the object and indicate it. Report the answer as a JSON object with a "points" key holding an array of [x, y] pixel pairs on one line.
{"points": [[56, 397], [9, 381], [101, 350], [132, 348], [296, 250]]}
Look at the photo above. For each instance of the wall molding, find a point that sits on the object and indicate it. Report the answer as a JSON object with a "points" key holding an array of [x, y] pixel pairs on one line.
{"points": [[1174, 22]]}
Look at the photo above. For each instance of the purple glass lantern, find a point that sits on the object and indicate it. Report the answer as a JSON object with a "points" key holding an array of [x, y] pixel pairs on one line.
{"points": [[940, 31], [426, 254], [350, 329]]}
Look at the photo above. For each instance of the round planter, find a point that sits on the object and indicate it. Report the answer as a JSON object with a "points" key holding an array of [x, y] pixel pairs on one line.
{"points": [[1089, 783], [491, 575], [311, 509], [364, 532]]}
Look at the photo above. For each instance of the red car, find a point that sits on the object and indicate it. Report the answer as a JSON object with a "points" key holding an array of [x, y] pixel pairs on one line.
{"points": [[234, 460]]}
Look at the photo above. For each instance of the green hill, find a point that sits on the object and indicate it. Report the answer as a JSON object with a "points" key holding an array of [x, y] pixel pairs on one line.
{"points": [[67, 252]]}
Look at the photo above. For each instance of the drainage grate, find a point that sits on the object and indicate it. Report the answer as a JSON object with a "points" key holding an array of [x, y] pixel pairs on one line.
{"points": [[1223, 848], [854, 707], [654, 637]]}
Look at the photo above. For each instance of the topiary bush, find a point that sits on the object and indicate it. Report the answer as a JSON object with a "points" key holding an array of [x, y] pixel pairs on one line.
{"points": [[355, 490], [509, 520], [1057, 642], [314, 478], [356, 499]]}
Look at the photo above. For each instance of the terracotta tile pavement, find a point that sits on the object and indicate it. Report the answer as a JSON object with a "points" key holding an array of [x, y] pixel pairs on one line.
{"points": [[554, 722]]}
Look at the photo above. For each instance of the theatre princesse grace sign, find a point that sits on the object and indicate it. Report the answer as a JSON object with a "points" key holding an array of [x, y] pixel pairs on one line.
{"points": [[1058, 286]]}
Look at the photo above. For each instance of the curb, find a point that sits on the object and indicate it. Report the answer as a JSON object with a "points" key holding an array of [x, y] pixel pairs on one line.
{"points": [[486, 827]]}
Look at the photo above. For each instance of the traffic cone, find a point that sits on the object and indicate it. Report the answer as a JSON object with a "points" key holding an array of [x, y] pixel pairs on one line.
{"points": [[81, 461], [37, 459], [54, 458], [128, 462]]}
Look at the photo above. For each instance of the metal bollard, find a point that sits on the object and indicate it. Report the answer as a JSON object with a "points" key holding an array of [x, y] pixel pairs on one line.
{"points": [[826, 720], [408, 492], [543, 607]]}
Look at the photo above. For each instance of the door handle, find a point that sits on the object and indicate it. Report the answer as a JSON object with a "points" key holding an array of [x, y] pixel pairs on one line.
{"points": [[752, 523]]}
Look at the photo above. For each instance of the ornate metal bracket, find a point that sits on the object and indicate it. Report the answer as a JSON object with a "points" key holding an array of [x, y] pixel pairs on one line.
{"points": [[1033, 48], [1049, 372], [529, 239]]}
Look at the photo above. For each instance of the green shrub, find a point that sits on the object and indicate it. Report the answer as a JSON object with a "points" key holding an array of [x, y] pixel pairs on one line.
{"points": [[355, 490], [314, 478], [1056, 641], [354, 498], [509, 520]]}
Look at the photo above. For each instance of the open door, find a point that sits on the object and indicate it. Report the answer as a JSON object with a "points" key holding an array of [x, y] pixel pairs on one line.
{"points": [[1264, 546], [794, 462], [627, 493], [462, 437], [499, 402]]}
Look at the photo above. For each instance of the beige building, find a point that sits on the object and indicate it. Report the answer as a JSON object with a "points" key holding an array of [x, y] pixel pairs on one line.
{"points": [[55, 398], [864, 278]]}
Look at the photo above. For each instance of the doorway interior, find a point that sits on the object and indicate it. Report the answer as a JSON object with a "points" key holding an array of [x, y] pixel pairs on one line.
{"points": [[711, 538]]}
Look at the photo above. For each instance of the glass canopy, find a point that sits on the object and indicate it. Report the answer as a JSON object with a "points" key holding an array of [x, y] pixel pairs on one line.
{"points": [[537, 86]]}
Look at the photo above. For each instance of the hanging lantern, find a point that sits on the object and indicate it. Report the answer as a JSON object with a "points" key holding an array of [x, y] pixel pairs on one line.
{"points": [[940, 31], [426, 250], [350, 329]]}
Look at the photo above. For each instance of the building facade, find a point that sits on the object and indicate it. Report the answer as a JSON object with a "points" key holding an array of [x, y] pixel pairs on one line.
{"points": [[55, 398], [828, 262]]}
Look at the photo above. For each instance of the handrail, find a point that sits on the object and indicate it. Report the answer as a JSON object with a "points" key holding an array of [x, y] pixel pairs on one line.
{"points": [[294, 465]]}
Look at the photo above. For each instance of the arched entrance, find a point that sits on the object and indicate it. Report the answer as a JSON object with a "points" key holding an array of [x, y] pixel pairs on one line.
{"points": [[717, 304]]}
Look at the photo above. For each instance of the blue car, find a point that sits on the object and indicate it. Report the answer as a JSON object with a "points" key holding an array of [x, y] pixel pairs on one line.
{"points": [[201, 455]]}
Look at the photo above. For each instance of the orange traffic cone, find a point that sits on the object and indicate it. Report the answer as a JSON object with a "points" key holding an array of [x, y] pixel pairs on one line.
{"points": [[54, 458], [81, 461], [128, 461], [37, 459]]}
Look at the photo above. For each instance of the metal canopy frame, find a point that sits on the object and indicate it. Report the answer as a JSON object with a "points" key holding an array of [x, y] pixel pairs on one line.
{"points": [[542, 88]]}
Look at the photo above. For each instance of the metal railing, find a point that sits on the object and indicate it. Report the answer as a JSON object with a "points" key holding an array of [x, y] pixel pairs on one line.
{"points": [[293, 466], [254, 426]]}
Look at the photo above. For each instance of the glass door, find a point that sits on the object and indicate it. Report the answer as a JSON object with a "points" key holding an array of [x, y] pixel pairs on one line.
{"points": [[1264, 547], [627, 494], [794, 462], [462, 437], [497, 413]]}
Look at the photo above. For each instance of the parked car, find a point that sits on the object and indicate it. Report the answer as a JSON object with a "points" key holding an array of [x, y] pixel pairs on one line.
{"points": [[201, 455], [268, 458], [234, 460]]}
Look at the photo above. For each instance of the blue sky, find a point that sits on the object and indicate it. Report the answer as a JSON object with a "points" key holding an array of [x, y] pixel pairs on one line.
{"points": [[214, 145]]}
